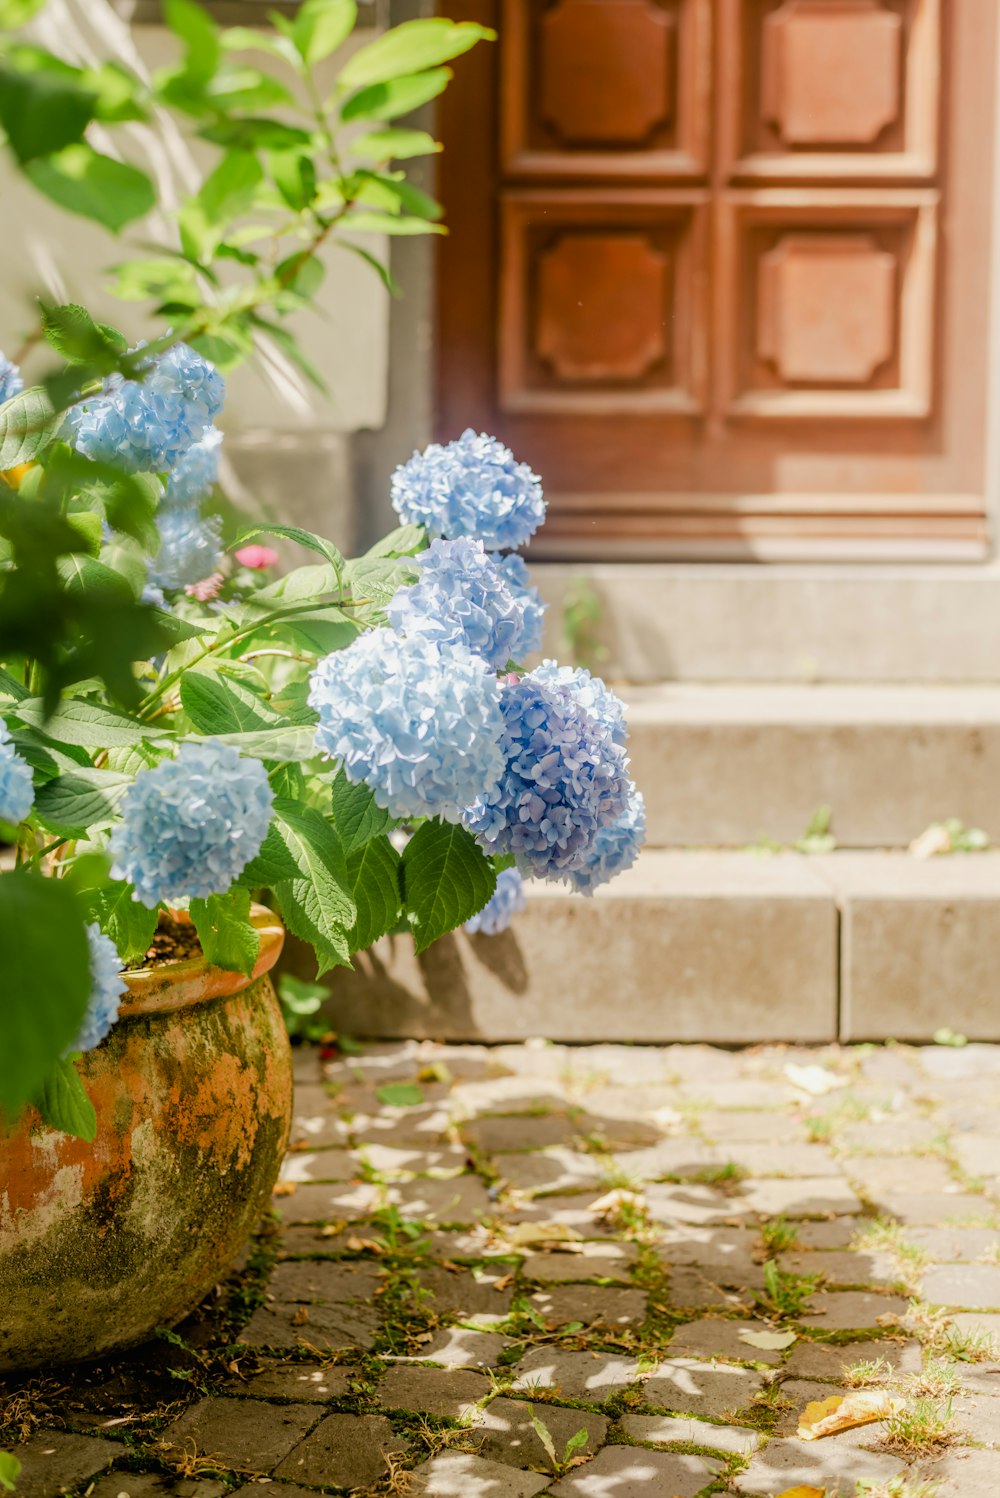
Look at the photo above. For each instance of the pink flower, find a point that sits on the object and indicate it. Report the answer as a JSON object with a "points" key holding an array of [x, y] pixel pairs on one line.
{"points": [[257, 557], [207, 589]]}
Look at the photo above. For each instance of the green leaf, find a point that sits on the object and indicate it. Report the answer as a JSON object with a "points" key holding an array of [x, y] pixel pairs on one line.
{"points": [[199, 33], [372, 872], [85, 574], [74, 803], [400, 1094], [129, 924], [398, 96], [246, 39], [27, 425], [228, 191], [221, 705], [228, 939], [274, 863], [410, 48], [395, 145], [46, 980], [320, 26], [10, 1467], [292, 742], [375, 579], [317, 905], [545, 1436], [388, 223], [83, 181], [294, 175], [292, 533], [300, 996], [72, 332], [13, 14], [446, 879], [379, 267], [404, 541], [86, 723], [63, 1103], [42, 110], [356, 815]]}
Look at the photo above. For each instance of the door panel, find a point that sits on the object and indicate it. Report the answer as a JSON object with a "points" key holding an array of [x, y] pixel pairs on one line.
{"points": [[718, 270]]}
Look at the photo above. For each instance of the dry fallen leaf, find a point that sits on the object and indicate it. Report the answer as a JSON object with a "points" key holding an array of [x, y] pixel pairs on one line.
{"points": [[772, 1341], [613, 1202], [825, 1417], [933, 840], [365, 1246], [816, 1080], [803, 1492], [301, 1316], [527, 1233], [504, 1282], [284, 1188]]}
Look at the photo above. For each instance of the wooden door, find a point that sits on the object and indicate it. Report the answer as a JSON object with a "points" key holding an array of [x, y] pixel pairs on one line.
{"points": [[720, 270]]}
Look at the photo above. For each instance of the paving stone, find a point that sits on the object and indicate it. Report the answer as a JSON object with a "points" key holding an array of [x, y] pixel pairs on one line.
{"points": [[671, 1157], [460, 1347], [964, 1474], [461, 1199], [815, 1196], [819, 1360], [932, 1207], [316, 1121], [624, 1104], [973, 1287], [509, 1436], [519, 1132], [964, 1061], [345, 1451], [851, 1310], [315, 1382], [953, 1245], [419, 1127], [978, 1154], [842, 1267], [331, 1328], [482, 1297], [332, 1203], [241, 1432], [323, 1280], [318, 1165], [805, 1160], [594, 1263], [54, 1460], [591, 1304], [824, 1464], [696, 1204], [751, 1126], [569, 1211], [701, 1388], [978, 1420], [590, 1376], [873, 1176], [741, 1093], [891, 1136], [837, 1232], [716, 1338], [631, 1472], [669, 1430], [418, 1160], [727, 1254], [980, 1378], [984, 1323], [510, 1095], [459, 1474], [265, 1489], [431, 1391], [690, 1288], [154, 1485], [554, 1169]]}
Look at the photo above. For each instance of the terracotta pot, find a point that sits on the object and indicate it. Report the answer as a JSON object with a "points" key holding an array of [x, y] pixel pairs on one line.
{"points": [[102, 1243]]}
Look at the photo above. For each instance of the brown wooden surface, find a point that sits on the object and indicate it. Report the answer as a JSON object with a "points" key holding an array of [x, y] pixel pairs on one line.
{"points": [[719, 271]]}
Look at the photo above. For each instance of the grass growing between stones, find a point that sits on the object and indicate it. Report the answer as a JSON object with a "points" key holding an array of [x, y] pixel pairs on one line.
{"points": [[778, 1235], [923, 1428], [785, 1295]]}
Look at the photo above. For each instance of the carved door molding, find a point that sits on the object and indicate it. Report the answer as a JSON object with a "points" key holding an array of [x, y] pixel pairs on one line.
{"points": [[696, 271]]}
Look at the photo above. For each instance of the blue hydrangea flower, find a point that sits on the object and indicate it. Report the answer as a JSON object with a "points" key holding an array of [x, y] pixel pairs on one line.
{"points": [[106, 989], [189, 548], [472, 487], [147, 426], [461, 598], [497, 914], [515, 573], [11, 383], [565, 778], [615, 848], [17, 794], [417, 720], [196, 474], [192, 824], [153, 596], [593, 695]]}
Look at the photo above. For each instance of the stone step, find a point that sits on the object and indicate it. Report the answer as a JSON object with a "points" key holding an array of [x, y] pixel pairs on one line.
{"points": [[732, 948], [731, 765], [662, 621]]}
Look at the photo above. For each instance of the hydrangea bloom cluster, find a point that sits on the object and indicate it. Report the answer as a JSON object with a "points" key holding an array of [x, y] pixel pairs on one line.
{"points": [[615, 848], [564, 779], [147, 426], [506, 900], [593, 695], [189, 548], [462, 599], [106, 989], [515, 574], [197, 472], [417, 720], [472, 487], [192, 824], [17, 794], [11, 383]]}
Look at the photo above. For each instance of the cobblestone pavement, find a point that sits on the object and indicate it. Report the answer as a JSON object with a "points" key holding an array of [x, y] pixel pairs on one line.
{"points": [[604, 1272]]}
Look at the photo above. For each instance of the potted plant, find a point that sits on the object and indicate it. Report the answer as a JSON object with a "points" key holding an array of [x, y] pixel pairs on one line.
{"points": [[185, 734]]}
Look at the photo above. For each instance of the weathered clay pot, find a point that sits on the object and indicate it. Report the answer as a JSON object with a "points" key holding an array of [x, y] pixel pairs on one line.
{"points": [[102, 1243]]}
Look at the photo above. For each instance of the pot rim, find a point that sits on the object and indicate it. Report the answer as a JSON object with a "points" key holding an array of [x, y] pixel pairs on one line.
{"points": [[176, 985]]}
